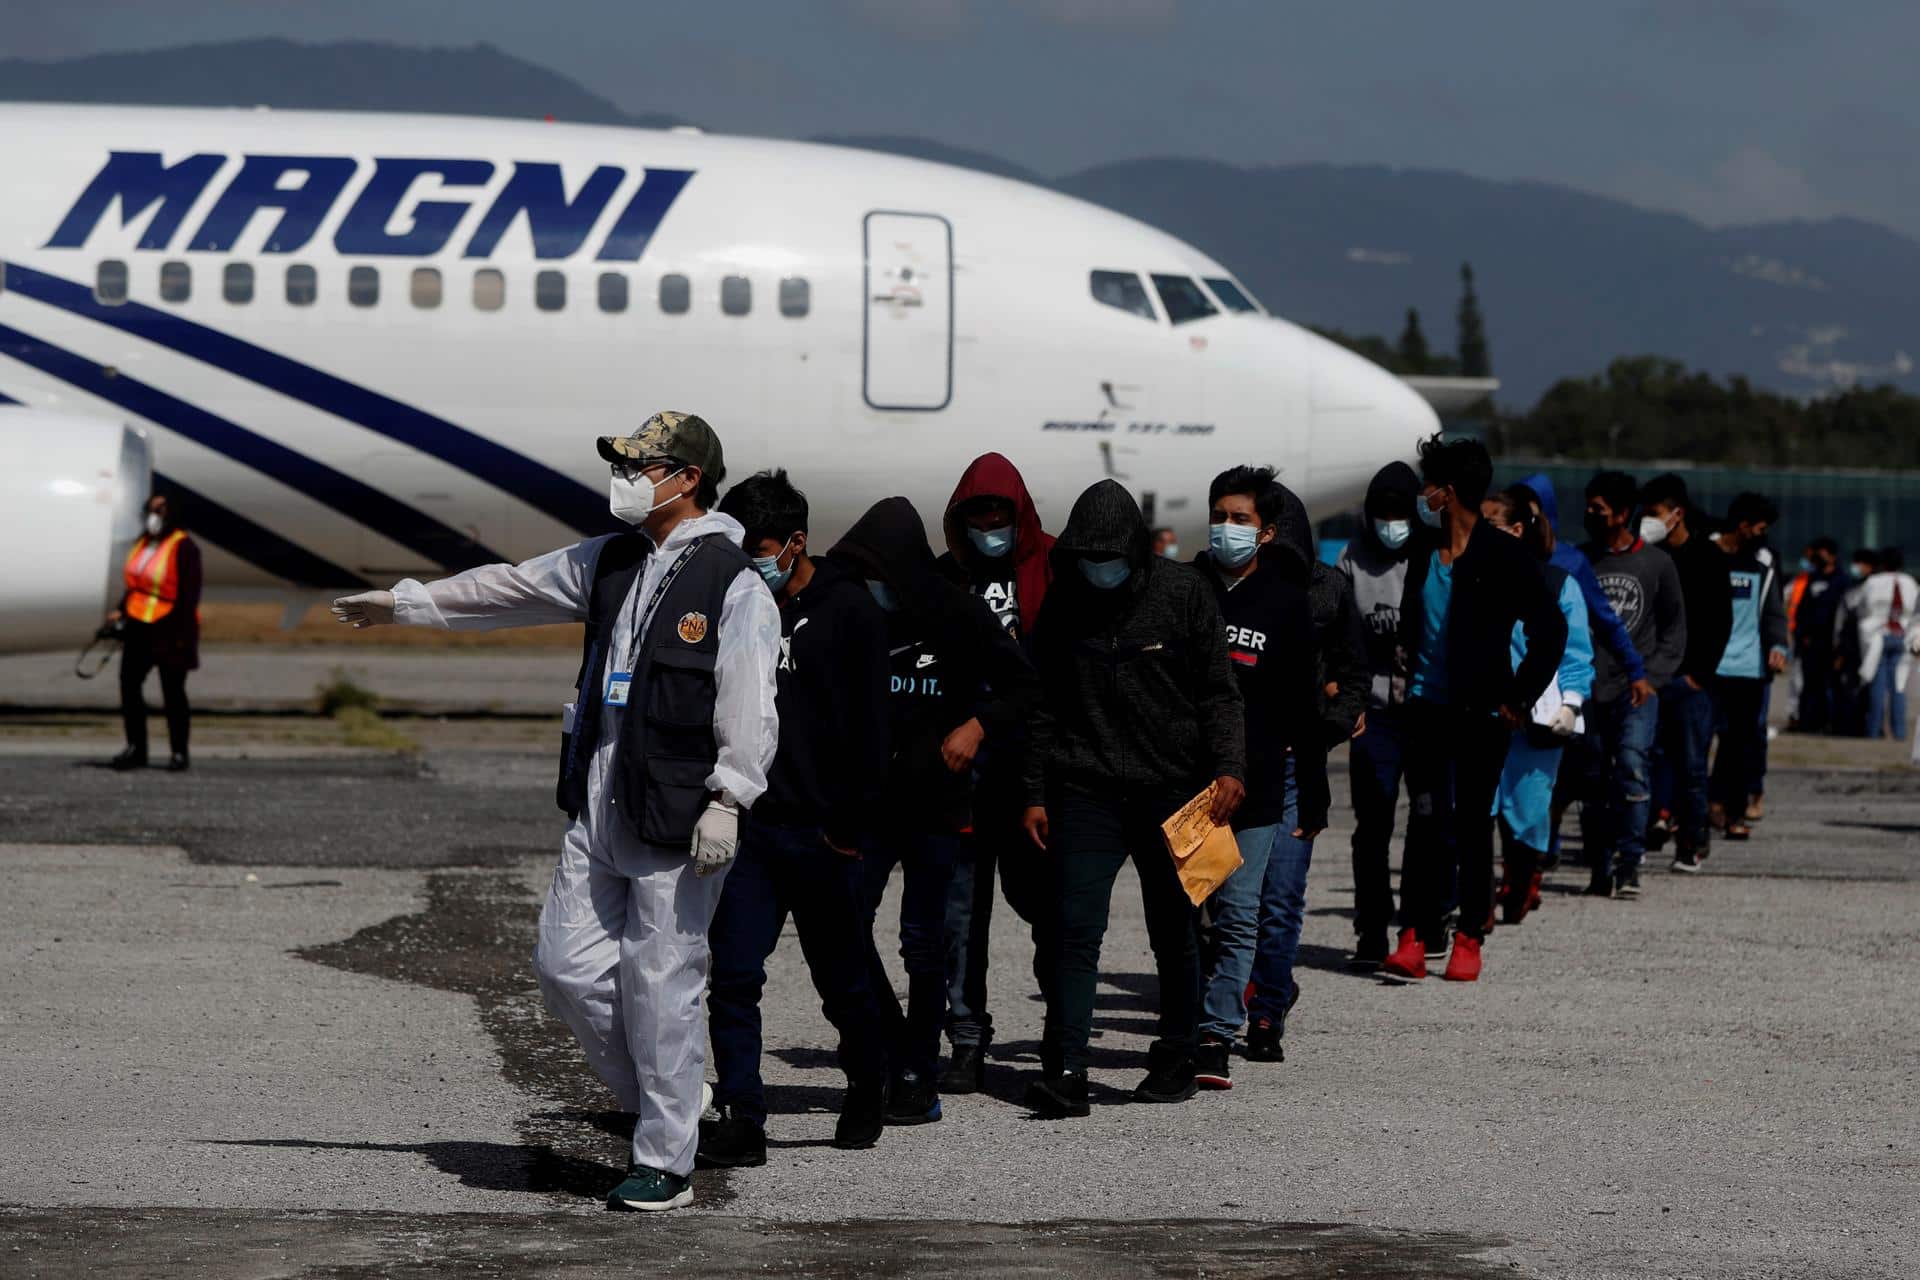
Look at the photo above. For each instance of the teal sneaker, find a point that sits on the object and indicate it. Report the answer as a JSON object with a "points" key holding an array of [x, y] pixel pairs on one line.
{"points": [[651, 1191]]}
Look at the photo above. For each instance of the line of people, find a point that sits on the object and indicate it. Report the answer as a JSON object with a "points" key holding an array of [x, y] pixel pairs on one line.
{"points": [[763, 732]]}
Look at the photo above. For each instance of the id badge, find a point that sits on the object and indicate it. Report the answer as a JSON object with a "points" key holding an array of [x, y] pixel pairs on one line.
{"points": [[618, 684]]}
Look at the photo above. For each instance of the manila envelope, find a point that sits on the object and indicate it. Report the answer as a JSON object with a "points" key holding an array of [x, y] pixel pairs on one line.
{"points": [[1203, 854]]}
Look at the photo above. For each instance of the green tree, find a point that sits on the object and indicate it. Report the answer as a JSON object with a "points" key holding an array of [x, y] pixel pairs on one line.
{"points": [[1412, 347], [1476, 361]]}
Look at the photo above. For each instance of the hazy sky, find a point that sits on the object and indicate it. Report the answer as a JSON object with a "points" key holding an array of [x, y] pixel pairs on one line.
{"points": [[1731, 110]]}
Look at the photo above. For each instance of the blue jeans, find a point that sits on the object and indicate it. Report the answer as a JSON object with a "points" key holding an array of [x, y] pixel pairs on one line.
{"points": [[1613, 810], [1256, 925], [993, 846], [1686, 733], [781, 870], [1884, 697], [926, 861], [1375, 764]]}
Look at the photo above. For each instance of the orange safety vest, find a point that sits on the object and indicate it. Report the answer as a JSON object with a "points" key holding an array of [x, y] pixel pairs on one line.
{"points": [[153, 577]]}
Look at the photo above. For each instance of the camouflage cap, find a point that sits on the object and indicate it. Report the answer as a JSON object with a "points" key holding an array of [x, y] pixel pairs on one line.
{"points": [[669, 437]]}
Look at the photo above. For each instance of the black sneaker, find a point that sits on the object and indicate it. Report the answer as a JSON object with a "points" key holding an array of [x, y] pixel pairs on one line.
{"points": [[1370, 951], [967, 1073], [1210, 1065], [1687, 861], [1627, 883], [912, 1100], [863, 1114], [177, 763], [1659, 831], [1601, 886], [1169, 1077], [1263, 1041], [731, 1142], [131, 758], [1059, 1097]]}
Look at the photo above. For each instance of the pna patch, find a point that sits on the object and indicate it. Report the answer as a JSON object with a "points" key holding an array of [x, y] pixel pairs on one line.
{"points": [[693, 627]]}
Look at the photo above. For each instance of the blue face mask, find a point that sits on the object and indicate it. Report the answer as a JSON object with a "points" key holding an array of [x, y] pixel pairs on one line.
{"points": [[769, 567], [1428, 516], [883, 595], [1232, 544], [992, 543], [1393, 534], [1105, 574], [1858, 572], [1806, 566]]}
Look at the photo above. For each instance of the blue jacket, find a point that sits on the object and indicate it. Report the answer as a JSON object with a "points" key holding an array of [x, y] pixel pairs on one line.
{"points": [[1607, 627]]}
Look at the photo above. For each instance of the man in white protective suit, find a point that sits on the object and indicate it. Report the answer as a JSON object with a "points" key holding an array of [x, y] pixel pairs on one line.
{"points": [[670, 735]]}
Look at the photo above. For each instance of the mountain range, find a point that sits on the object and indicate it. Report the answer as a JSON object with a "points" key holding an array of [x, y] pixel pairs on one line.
{"points": [[1567, 279]]}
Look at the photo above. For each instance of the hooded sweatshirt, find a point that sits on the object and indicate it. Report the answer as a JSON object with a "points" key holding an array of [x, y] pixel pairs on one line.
{"points": [[1378, 576], [832, 680], [1341, 647], [951, 661], [1013, 585], [1139, 695], [1609, 632], [1270, 638]]}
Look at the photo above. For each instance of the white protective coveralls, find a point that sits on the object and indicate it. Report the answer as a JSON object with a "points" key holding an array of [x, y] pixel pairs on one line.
{"points": [[622, 956]]}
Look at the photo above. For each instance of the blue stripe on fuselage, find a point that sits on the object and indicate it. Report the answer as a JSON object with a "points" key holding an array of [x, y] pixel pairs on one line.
{"points": [[359, 502], [538, 485]]}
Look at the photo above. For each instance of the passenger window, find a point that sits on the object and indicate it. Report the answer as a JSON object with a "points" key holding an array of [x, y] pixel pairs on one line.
{"points": [[236, 283], [303, 285], [1230, 294], [1122, 289], [489, 289], [613, 291], [110, 282], [1183, 299], [736, 295], [176, 282], [796, 297], [676, 295], [550, 290], [363, 286], [426, 289]]}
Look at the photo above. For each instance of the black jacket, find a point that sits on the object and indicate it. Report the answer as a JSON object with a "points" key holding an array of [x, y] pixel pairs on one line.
{"points": [[831, 768], [1139, 696], [1707, 592], [1496, 583], [1339, 636], [950, 660], [1270, 640]]}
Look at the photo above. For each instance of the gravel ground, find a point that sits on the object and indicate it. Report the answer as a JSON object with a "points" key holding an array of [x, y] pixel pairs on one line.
{"points": [[1713, 1081]]}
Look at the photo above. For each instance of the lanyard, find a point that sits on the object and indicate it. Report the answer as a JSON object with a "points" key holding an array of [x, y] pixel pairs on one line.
{"points": [[646, 618]]}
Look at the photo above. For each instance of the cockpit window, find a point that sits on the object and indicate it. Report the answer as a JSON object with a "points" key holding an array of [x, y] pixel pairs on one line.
{"points": [[1183, 299], [1122, 289], [1230, 294]]}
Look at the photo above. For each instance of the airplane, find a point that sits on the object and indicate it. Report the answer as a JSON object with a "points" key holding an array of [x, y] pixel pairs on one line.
{"points": [[360, 347]]}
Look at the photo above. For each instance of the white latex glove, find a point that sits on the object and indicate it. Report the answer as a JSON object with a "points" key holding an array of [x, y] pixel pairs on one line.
{"points": [[1562, 722], [714, 837], [368, 609]]}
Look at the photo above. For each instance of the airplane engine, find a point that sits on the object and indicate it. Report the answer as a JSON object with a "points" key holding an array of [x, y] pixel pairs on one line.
{"points": [[73, 492]]}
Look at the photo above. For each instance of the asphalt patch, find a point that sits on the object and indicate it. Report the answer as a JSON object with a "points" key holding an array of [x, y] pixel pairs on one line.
{"points": [[185, 1244]]}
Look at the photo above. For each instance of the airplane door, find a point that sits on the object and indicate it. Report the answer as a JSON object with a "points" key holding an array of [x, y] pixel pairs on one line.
{"points": [[908, 360]]}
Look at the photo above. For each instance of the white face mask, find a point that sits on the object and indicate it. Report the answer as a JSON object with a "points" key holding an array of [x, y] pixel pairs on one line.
{"points": [[633, 500], [154, 524], [1653, 530]]}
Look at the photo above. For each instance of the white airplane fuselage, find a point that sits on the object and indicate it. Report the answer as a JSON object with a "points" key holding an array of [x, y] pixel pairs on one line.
{"points": [[361, 347]]}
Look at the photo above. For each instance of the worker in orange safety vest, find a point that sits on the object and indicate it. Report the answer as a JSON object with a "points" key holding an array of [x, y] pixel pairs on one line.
{"points": [[159, 617]]}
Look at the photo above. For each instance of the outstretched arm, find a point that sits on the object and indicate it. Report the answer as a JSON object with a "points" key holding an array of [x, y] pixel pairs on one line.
{"points": [[551, 588]]}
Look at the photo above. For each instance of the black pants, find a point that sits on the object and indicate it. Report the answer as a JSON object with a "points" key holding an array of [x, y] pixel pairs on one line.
{"points": [[1454, 760], [1740, 743], [136, 659], [783, 870], [1375, 764], [1815, 711], [926, 873], [1090, 838], [996, 846]]}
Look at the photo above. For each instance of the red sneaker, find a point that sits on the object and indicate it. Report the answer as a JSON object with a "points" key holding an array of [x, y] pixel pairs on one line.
{"points": [[1533, 889], [1464, 964], [1408, 963]]}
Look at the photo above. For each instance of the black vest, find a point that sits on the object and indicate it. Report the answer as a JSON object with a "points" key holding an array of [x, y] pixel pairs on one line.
{"points": [[658, 776]]}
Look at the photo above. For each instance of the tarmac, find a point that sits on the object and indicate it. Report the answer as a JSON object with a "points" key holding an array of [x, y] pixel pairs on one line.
{"points": [[274, 1017]]}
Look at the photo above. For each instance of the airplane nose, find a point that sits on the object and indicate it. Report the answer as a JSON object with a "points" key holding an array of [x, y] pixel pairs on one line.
{"points": [[1363, 418]]}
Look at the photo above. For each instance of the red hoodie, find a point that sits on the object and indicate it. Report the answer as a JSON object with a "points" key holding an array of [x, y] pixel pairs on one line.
{"points": [[990, 475]]}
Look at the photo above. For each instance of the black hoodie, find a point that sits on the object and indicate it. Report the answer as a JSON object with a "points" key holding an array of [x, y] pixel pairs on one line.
{"points": [[951, 661], [1140, 698], [1270, 639], [832, 763], [1342, 645]]}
